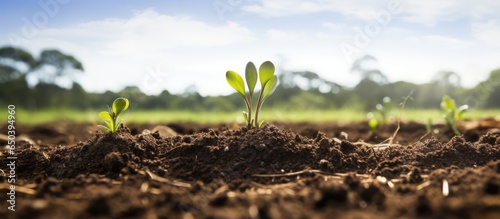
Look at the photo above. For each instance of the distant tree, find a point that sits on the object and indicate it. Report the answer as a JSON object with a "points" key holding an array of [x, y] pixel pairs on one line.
{"points": [[53, 65], [370, 92], [306, 80], [50, 66], [367, 67], [218, 104], [49, 96], [19, 87], [135, 95], [447, 79], [308, 100], [14, 63], [77, 97], [448, 82], [491, 89]]}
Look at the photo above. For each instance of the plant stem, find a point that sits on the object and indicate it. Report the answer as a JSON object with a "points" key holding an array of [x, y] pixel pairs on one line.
{"points": [[249, 107], [451, 123], [455, 130], [259, 104]]}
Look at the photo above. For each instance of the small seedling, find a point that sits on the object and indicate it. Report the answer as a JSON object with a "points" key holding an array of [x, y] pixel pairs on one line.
{"points": [[111, 116], [380, 115], [268, 82], [428, 127], [451, 113], [372, 123]]}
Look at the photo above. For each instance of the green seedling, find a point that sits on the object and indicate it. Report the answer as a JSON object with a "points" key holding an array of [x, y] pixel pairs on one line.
{"points": [[111, 116], [428, 125], [372, 123], [268, 82], [451, 113], [380, 115]]}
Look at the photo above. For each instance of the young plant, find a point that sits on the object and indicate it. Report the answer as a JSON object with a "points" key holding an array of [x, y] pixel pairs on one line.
{"points": [[451, 113], [111, 116], [380, 115], [372, 123], [268, 82], [428, 125]]}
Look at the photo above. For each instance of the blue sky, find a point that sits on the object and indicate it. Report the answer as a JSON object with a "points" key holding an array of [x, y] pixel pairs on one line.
{"points": [[158, 45]]}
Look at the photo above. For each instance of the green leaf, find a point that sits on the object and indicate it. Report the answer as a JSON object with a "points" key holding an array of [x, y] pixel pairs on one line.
{"points": [[266, 72], [105, 115], [235, 80], [251, 76], [109, 124], [270, 86], [119, 105], [448, 103], [104, 128]]}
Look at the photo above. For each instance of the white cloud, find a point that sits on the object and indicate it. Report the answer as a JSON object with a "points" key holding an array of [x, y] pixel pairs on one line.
{"points": [[430, 12], [275, 34], [149, 31], [333, 25], [279, 8], [427, 12], [440, 42], [116, 52], [488, 32]]}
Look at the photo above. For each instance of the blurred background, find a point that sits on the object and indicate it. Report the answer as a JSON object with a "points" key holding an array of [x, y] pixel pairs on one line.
{"points": [[336, 60]]}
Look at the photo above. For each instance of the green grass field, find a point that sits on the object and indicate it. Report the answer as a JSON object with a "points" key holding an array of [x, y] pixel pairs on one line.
{"points": [[131, 116]]}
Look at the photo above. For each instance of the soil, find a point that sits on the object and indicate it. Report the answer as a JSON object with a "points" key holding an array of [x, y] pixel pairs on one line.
{"points": [[283, 170]]}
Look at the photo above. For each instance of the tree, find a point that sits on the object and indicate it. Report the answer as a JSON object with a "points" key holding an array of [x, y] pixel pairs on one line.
{"points": [[491, 90], [370, 92], [447, 81], [49, 67], [367, 67], [53, 65], [14, 63]]}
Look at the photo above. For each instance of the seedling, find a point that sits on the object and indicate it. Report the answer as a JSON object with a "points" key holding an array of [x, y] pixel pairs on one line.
{"points": [[268, 82], [381, 114], [111, 116], [451, 113], [428, 127], [372, 123]]}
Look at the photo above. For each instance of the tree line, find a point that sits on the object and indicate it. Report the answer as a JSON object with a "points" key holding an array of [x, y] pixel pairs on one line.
{"points": [[297, 90]]}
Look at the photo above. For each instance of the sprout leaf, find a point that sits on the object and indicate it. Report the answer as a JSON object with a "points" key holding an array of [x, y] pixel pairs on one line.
{"points": [[105, 115], [235, 80], [270, 86], [119, 105], [104, 128], [251, 76], [448, 103], [266, 72]]}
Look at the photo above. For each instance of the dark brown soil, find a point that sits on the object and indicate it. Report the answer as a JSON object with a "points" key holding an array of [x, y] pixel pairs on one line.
{"points": [[278, 171]]}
